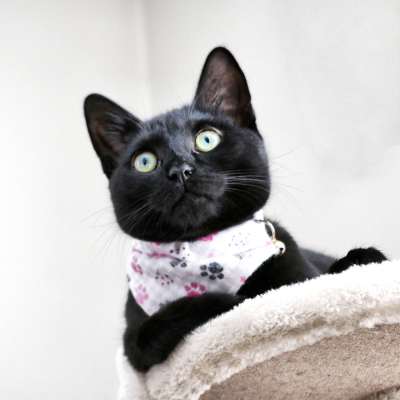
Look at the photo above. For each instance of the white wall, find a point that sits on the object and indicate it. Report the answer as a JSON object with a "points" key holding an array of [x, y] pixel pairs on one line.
{"points": [[325, 79], [62, 283]]}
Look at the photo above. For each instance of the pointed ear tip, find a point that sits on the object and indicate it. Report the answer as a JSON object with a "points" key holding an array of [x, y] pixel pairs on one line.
{"points": [[220, 51], [88, 102], [91, 99]]}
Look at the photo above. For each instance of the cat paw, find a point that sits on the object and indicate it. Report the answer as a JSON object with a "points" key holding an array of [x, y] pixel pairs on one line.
{"points": [[359, 256], [159, 335], [141, 351]]}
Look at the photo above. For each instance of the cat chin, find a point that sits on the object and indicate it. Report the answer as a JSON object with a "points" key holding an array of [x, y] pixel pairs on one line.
{"points": [[192, 211], [187, 220]]}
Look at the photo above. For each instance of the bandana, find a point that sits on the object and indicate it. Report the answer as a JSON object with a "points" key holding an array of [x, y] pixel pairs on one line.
{"points": [[159, 273]]}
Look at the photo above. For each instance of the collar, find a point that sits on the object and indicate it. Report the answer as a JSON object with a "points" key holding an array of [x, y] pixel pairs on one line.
{"points": [[159, 273]]}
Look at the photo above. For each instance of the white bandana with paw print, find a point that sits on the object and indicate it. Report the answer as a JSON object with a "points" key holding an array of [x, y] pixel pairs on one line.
{"points": [[159, 273]]}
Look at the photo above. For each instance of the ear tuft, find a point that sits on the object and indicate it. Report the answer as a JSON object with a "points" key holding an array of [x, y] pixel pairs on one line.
{"points": [[222, 86], [110, 128]]}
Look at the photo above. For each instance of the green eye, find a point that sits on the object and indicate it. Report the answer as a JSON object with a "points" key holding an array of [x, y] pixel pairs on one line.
{"points": [[145, 162], [207, 140]]}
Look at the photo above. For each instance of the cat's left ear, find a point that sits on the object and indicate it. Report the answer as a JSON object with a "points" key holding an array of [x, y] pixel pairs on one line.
{"points": [[110, 128], [222, 86]]}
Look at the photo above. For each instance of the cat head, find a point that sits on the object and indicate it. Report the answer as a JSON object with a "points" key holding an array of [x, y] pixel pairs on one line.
{"points": [[191, 171]]}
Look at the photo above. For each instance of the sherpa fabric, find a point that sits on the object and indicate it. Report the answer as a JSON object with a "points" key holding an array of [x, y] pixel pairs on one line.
{"points": [[333, 337]]}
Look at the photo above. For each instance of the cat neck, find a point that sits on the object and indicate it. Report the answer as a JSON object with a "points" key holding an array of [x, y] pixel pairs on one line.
{"points": [[159, 273]]}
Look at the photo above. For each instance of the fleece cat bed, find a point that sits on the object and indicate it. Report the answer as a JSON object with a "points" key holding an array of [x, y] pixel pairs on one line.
{"points": [[333, 337]]}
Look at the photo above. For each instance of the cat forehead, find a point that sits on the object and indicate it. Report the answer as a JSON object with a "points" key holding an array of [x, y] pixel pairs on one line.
{"points": [[171, 129], [177, 121]]}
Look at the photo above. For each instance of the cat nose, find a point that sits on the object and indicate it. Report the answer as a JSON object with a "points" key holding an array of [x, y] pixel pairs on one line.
{"points": [[180, 173]]}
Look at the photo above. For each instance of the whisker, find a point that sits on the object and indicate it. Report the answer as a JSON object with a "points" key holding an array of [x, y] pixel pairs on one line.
{"points": [[287, 153]]}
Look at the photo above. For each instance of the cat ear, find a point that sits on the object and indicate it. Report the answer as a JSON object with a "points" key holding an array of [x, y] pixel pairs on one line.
{"points": [[222, 86], [110, 128]]}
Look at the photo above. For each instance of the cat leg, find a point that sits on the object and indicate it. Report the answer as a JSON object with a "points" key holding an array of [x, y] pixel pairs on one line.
{"points": [[154, 340], [359, 256]]}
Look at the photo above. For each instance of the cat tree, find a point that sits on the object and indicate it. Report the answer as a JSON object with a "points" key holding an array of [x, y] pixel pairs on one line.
{"points": [[334, 337]]}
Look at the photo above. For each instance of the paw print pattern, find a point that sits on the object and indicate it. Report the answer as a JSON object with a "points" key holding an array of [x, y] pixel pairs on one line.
{"points": [[178, 262], [140, 294], [207, 238], [163, 279], [194, 289], [136, 267], [179, 250], [213, 271], [239, 240]]}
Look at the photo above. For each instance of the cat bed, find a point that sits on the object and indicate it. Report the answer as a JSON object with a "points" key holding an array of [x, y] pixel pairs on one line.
{"points": [[334, 337]]}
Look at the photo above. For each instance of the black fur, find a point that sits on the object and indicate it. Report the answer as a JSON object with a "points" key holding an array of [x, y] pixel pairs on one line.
{"points": [[357, 257], [191, 194], [153, 340]]}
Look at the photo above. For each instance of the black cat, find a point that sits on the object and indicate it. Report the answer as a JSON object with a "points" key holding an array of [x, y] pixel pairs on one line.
{"points": [[166, 186]]}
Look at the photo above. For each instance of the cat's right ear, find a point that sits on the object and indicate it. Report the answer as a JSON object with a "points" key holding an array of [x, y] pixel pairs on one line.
{"points": [[110, 128]]}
